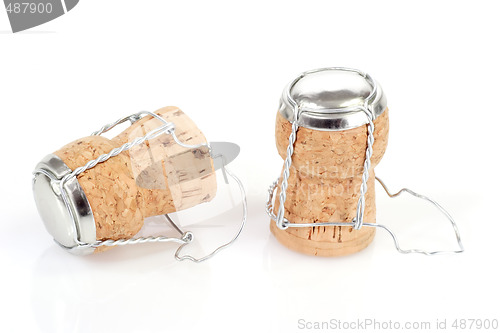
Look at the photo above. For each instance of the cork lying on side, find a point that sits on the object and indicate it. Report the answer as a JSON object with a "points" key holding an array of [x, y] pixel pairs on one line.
{"points": [[154, 178]]}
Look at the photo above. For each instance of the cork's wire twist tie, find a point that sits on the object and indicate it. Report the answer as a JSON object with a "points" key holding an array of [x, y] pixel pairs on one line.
{"points": [[357, 222], [166, 128]]}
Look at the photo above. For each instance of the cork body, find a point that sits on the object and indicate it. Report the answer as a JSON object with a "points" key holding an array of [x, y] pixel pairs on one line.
{"points": [[153, 178], [324, 184]]}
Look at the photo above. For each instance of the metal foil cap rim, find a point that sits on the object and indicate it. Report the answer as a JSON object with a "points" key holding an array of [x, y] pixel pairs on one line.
{"points": [[67, 232], [332, 99]]}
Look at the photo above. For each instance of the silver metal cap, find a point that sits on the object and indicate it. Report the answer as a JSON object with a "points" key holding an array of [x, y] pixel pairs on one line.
{"points": [[69, 229], [332, 99]]}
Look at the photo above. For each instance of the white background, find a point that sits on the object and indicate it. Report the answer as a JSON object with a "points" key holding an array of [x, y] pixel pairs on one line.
{"points": [[225, 64]]}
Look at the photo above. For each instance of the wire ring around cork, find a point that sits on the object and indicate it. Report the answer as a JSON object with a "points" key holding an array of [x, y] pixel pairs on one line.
{"points": [[166, 128], [357, 222]]}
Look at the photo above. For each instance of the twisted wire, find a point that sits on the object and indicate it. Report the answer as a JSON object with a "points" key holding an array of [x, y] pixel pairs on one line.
{"points": [[132, 118], [140, 240], [360, 209], [286, 173], [167, 128], [269, 202]]}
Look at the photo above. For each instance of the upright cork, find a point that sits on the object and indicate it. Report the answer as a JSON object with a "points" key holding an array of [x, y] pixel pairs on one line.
{"points": [[112, 199], [328, 158]]}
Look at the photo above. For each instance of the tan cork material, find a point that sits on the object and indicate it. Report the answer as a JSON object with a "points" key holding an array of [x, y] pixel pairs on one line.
{"points": [[324, 182], [154, 178]]}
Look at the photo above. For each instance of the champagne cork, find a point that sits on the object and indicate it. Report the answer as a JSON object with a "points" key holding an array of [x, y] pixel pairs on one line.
{"points": [[328, 158], [112, 199]]}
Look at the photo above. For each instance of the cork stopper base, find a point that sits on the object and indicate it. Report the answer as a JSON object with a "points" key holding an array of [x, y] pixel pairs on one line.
{"points": [[362, 238], [324, 182]]}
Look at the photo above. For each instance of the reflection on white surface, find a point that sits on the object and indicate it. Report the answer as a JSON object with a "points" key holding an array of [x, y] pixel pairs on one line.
{"points": [[118, 290], [257, 285]]}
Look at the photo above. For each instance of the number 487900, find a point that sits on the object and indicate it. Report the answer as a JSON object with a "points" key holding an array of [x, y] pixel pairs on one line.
{"points": [[29, 8], [478, 324]]}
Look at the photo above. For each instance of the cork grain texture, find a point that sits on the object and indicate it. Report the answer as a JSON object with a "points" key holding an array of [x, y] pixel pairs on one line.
{"points": [[154, 178], [324, 183]]}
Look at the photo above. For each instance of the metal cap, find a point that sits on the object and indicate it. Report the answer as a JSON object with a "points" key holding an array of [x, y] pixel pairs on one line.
{"points": [[332, 99], [69, 229]]}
